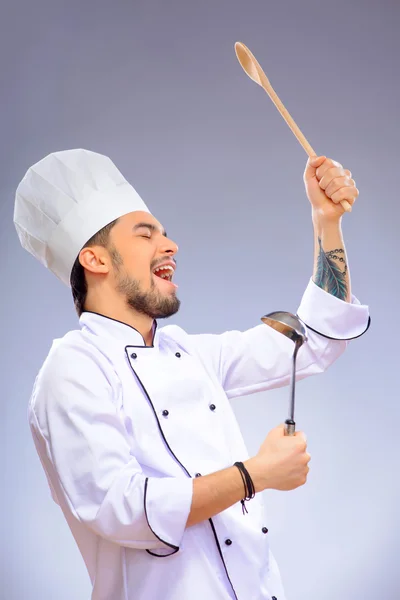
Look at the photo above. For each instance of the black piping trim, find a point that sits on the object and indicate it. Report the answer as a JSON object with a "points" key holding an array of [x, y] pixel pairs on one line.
{"points": [[340, 339], [175, 548], [221, 555], [126, 325], [155, 414], [162, 555], [186, 471]]}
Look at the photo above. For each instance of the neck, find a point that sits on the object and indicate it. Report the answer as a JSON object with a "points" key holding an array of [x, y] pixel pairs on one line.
{"points": [[121, 312]]}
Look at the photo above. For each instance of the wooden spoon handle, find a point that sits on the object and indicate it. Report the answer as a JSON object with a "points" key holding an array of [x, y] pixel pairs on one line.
{"points": [[293, 126], [285, 114]]}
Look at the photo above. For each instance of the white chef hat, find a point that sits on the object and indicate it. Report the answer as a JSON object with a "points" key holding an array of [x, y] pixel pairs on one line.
{"points": [[65, 199]]}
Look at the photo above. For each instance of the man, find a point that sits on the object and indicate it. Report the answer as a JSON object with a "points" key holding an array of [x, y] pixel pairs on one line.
{"points": [[132, 422]]}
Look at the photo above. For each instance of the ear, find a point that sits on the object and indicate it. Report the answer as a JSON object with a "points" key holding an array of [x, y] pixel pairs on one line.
{"points": [[95, 259]]}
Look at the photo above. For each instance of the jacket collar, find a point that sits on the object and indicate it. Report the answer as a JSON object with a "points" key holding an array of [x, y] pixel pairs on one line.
{"points": [[103, 326]]}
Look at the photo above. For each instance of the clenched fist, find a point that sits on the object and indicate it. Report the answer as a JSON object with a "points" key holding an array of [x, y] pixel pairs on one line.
{"points": [[327, 184], [281, 463]]}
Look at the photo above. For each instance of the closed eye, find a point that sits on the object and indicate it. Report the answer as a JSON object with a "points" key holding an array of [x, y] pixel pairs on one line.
{"points": [[149, 228], [144, 232]]}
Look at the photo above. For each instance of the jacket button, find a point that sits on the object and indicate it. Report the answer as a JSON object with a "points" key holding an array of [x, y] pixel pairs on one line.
{"points": [[212, 407], [198, 475], [133, 355], [165, 413], [228, 542], [264, 530], [177, 354]]}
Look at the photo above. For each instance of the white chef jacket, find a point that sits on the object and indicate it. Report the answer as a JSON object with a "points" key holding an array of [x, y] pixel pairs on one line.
{"points": [[122, 429]]}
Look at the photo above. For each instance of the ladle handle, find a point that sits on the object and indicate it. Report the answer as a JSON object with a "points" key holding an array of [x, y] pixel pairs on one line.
{"points": [[290, 427]]}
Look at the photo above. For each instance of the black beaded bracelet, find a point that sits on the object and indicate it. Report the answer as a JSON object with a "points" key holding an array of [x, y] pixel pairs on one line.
{"points": [[248, 484]]}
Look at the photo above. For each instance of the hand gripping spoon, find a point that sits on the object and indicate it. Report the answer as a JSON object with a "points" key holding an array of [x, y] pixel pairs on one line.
{"points": [[291, 327], [255, 72]]}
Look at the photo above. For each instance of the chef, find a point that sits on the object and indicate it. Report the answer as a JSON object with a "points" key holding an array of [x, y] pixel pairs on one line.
{"points": [[133, 423]]}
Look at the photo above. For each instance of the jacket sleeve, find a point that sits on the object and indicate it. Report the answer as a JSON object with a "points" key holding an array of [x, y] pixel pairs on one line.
{"points": [[86, 454], [260, 358]]}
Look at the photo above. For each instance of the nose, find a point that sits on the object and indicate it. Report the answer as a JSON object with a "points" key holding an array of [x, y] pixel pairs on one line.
{"points": [[169, 247]]}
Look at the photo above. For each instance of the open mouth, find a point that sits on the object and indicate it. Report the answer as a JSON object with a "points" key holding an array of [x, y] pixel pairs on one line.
{"points": [[165, 272]]}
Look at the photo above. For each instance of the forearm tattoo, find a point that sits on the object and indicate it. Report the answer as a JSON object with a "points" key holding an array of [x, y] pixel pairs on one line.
{"points": [[328, 274]]}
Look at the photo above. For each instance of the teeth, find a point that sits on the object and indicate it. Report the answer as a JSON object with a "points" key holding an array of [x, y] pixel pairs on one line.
{"points": [[167, 273]]}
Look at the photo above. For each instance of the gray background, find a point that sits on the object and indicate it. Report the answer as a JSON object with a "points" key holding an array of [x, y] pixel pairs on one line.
{"points": [[157, 87]]}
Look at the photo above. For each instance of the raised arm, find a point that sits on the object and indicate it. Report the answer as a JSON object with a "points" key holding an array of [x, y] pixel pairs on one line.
{"points": [[259, 358], [327, 184]]}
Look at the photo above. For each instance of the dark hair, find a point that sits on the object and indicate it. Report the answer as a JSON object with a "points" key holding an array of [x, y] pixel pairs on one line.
{"points": [[78, 279]]}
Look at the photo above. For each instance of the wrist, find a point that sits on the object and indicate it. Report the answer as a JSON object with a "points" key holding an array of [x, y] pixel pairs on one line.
{"points": [[323, 223], [257, 473]]}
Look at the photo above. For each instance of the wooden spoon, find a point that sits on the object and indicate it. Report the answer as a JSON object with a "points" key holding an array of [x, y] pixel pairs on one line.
{"points": [[255, 72]]}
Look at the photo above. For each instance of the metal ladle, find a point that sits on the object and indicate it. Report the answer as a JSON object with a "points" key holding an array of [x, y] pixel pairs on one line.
{"points": [[291, 327]]}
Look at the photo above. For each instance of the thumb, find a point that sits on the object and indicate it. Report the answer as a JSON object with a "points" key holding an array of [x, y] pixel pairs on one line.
{"points": [[312, 165], [278, 431]]}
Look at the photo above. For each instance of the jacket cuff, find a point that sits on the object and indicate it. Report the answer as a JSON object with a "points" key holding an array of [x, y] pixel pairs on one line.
{"points": [[333, 318], [167, 503]]}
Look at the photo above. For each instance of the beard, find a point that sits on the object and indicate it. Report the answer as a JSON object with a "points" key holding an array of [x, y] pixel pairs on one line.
{"points": [[151, 303]]}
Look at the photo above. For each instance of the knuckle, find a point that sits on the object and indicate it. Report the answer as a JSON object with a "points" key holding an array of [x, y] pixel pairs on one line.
{"points": [[329, 173], [334, 197], [332, 174], [333, 163], [302, 446]]}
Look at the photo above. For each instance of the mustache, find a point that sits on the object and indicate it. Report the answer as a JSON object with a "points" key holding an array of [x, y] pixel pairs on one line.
{"points": [[158, 262]]}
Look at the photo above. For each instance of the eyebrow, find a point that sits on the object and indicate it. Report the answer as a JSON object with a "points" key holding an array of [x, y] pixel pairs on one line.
{"points": [[150, 226]]}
